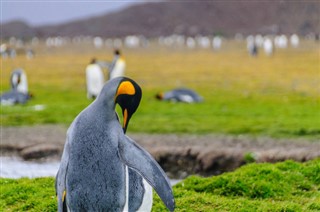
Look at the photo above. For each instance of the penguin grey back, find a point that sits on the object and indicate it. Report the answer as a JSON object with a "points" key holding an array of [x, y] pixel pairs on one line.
{"points": [[92, 173]]}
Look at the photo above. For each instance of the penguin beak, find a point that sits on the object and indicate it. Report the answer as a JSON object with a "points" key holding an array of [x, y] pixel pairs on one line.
{"points": [[125, 120]]}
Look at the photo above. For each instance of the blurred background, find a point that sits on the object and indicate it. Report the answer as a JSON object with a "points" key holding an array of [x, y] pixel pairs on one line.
{"points": [[152, 19]]}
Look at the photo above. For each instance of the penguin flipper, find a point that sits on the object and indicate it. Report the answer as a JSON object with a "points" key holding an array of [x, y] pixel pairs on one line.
{"points": [[141, 161]]}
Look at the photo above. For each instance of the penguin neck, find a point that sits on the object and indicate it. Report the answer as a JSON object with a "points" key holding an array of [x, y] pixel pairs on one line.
{"points": [[107, 108]]}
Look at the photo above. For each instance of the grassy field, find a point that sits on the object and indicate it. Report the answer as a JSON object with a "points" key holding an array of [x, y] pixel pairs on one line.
{"points": [[274, 96], [286, 186]]}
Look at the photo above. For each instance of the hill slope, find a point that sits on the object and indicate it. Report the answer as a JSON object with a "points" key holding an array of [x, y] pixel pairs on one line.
{"points": [[191, 18]]}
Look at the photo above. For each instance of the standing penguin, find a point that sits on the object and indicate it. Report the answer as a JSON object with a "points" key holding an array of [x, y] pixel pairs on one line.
{"points": [[268, 46], [94, 78], [117, 66], [101, 168], [18, 81]]}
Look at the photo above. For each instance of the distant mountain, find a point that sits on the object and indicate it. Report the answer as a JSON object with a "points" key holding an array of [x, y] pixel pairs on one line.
{"points": [[188, 18], [17, 29]]}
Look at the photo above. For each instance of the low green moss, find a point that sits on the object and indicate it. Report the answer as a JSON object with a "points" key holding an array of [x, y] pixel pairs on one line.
{"points": [[27, 194], [286, 186]]}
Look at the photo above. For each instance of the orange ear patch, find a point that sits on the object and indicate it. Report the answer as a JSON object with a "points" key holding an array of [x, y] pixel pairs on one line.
{"points": [[126, 87]]}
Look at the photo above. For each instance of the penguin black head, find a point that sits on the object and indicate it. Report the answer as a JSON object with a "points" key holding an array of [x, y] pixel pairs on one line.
{"points": [[15, 79], [93, 61], [159, 96], [117, 52], [128, 96]]}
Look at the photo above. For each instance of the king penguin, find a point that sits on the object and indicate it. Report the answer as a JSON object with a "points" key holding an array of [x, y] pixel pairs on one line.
{"points": [[101, 168], [18, 81], [118, 65], [19, 89], [180, 95], [94, 79]]}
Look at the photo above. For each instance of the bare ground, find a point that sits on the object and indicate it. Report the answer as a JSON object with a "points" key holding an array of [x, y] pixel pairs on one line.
{"points": [[179, 155]]}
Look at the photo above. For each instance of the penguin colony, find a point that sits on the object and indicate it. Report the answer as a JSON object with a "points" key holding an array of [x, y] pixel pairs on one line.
{"points": [[101, 168]]}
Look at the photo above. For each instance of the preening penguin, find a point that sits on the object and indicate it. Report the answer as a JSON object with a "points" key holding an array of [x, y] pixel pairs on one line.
{"points": [[19, 89], [18, 81], [98, 157]]}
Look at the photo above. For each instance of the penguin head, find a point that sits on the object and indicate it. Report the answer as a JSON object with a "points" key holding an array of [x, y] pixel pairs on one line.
{"points": [[159, 96], [117, 52], [15, 79], [128, 96]]}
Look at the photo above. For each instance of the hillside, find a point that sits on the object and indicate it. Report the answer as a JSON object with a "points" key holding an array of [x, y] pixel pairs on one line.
{"points": [[188, 18]]}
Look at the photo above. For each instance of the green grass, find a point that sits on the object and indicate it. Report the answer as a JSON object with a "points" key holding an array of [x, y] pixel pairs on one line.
{"points": [[291, 116], [266, 96], [28, 195], [285, 186]]}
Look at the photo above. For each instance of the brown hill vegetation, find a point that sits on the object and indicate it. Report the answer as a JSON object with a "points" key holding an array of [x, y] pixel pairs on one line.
{"points": [[188, 18]]}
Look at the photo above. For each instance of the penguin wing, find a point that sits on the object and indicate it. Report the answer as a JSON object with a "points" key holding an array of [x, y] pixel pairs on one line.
{"points": [[60, 182], [141, 161]]}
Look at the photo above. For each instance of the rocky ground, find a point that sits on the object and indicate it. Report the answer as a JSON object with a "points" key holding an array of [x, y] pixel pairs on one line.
{"points": [[179, 155]]}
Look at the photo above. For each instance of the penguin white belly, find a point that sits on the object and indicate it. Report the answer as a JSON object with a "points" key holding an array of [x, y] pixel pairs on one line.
{"points": [[146, 204], [186, 98], [118, 70], [23, 85], [95, 79], [126, 206], [147, 198]]}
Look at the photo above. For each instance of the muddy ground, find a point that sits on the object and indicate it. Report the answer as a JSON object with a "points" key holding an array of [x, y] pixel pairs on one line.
{"points": [[179, 155]]}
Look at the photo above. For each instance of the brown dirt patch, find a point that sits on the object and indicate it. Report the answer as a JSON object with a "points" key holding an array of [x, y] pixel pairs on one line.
{"points": [[179, 155]]}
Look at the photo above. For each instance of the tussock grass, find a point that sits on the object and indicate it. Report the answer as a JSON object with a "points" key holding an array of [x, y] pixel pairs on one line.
{"points": [[285, 186], [274, 96]]}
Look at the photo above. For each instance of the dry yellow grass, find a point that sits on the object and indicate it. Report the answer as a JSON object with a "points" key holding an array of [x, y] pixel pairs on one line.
{"points": [[289, 70]]}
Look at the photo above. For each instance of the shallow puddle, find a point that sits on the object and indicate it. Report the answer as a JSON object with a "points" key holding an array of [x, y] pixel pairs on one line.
{"points": [[16, 168]]}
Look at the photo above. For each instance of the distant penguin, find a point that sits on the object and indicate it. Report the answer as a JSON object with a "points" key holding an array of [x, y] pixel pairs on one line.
{"points": [[251, 46], [180, 95], [191, 43], [29, 54], [216, 43], [268, 46], [18, 81], [118, 65], [281, 41], [95, 79], [101, 168], [19, 89], [294, 40]]}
